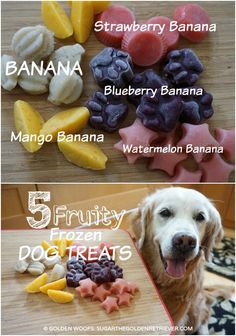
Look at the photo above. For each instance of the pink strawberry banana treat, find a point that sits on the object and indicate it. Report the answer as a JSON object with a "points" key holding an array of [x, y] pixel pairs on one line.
{"points": [[171, 38], [192, 14], [113, 15], [144, 47]]}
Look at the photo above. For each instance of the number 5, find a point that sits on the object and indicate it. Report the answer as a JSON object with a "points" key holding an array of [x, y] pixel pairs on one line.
{"points": [[36, 207]]}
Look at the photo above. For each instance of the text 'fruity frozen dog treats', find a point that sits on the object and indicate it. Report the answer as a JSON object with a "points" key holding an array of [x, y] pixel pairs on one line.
{"points": [[192, 14], [113, 15]]}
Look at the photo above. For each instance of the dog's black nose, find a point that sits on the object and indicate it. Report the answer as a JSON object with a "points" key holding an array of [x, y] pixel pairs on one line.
{"points": [[183, 242]]}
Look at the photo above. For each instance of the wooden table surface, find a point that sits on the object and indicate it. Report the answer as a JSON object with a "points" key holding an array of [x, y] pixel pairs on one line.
{"points": [[24, 313], [48, 165]]}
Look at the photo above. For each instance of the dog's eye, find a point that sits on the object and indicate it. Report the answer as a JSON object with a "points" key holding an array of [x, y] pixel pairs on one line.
{"points": [[165, 213], [199, 217]]}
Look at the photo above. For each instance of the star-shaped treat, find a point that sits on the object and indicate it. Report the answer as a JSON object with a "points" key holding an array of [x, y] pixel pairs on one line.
{"points": [[226, 139], [131, 157], [86, 288], [100, 293], [124, 299], [136, 135], [110, 304], [167, 161], [120, 286], [215, 169], [184, 175], [197, 136], [133, 287]]}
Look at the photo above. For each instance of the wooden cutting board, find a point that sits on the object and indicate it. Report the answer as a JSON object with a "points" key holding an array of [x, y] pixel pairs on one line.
{"points": [[216, 52], [24, 313]]}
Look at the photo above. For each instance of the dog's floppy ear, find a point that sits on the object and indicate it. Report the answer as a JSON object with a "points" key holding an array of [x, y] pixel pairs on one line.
{"points": [[213, 233], [141, 220]]}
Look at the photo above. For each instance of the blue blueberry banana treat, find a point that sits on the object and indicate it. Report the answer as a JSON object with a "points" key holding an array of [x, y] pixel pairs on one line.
{"points": [[182, 68], [112, 67], [106, 112], [196, 108], [161, 112], [148, 79]]}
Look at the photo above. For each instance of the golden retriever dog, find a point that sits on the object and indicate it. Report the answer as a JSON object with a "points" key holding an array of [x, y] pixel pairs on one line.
{"points": [[175, 229]]}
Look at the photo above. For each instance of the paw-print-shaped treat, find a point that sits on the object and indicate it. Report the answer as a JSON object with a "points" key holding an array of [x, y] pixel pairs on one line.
{"points": [[147, 79], [104, 261], [103, 276], [91, 267], [106, 112], [73, 278], [103, 271], [75, 272], [76, 263], [160, 113], [183, 67], [196, 108], [112, 67]]}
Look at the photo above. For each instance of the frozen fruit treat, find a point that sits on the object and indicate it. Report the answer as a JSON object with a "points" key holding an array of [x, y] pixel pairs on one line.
{"points": [[73, 278], [103, 271], [75, 272], [183, 67], [144, 47], [192, 14], [110, 304], [86, 288], [112, 67], [106, 112], [196, 108], [161, 112], [147, 79], [226, 138], [76, 263], [171, 38], [113, 15]]}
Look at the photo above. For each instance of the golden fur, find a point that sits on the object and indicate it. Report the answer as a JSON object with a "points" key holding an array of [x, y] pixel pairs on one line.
{"points": [[185, 298]]}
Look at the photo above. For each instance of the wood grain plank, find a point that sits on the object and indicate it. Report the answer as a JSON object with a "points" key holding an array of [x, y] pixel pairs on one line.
{"points": [[49, 165], [27, 314]]}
